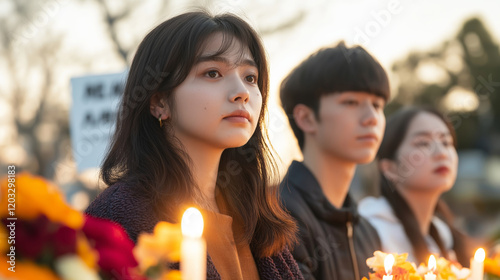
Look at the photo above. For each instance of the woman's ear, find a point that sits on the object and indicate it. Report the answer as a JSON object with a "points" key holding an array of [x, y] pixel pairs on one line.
{"points": [[305, 118], [389, 169], [159, 107]]}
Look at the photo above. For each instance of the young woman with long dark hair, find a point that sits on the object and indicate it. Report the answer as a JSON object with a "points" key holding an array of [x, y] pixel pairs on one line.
{"points": [[417, 162], [190, 132]]}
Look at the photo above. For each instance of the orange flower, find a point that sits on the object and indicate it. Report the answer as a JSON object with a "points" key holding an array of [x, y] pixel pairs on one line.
{"points": [[3, 239], [85, 252], [172, 275], [492, 266], [26, 270], [35, 196]]}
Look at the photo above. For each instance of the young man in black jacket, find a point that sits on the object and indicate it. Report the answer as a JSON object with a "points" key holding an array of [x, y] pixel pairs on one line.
{"points": [[334, 101]]}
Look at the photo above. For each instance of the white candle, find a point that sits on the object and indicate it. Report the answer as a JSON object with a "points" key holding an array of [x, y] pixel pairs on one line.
{"points": [[431, 266], [388, 263], [477, 265], [193, 248]]}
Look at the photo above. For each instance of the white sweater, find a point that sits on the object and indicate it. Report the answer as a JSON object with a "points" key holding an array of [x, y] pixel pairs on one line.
{"points": [[392, 235]]}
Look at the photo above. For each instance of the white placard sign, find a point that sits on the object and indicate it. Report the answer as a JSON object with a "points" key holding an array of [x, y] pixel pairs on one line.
{"points": [[93, 116]]}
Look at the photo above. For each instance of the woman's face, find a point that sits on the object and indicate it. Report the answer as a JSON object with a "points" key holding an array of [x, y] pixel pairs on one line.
{"points": [[219, 103], [426, 159]]}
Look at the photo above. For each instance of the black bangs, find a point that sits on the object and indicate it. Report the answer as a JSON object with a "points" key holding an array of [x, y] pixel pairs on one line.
{"points": [[228, 41], [355, 70]]}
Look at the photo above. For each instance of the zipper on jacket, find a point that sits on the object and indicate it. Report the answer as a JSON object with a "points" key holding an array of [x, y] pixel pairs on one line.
{"points": [[351, 247]]}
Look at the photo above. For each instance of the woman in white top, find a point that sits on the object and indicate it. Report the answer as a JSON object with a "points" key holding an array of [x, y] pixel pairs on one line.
{"points": [[417, 162]]}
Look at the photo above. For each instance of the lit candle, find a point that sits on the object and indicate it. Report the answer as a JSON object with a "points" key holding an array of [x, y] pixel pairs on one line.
{"points": [[431, 266], [193, 248], [388, 263], [477, 265]]}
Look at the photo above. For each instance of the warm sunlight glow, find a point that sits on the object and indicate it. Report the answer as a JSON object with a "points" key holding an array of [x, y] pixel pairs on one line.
{"points": [[432, 263], [430, 72], [388, 263], [479, 255], [192, 223], [459, 99]]}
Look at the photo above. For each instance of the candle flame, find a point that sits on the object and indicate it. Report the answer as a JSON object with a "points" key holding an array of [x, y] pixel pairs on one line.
{"points": [[388, 263], [432, 263], [479, 255], [192, 223]]}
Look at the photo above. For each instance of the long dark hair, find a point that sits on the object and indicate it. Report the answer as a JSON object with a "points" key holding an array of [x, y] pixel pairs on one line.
{"points": [[149, 158], [396, 129]]}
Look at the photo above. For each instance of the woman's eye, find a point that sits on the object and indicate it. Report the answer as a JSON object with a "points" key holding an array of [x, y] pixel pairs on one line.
{"points": [[447, 143], [377, 105], [422, 144], [251, 79], [213, 74]]}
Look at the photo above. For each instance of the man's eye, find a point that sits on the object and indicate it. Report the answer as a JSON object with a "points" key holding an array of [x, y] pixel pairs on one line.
{"points": [[350, 102]]}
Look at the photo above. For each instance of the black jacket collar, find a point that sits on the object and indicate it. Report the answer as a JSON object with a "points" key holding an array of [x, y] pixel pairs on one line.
{"points": [[300, 178]]}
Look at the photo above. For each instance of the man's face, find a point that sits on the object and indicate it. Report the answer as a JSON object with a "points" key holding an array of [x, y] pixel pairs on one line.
{"points": [[351, 125]]}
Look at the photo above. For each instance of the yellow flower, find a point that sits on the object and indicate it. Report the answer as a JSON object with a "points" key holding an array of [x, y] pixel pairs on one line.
{"points": [[377, 261], [72, 267], [25, 270], [34, 196], [160, 247], [377, 264]]}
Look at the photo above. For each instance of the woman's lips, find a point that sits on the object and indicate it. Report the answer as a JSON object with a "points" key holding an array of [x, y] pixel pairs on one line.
{"points": [[238, 116], [237, 119], [442, 170]]}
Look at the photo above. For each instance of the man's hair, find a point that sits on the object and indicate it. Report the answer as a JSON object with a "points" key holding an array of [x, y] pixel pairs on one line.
{"points": [[329, 71]]}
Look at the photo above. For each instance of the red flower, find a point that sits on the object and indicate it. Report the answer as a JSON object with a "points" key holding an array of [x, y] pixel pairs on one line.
{"points": [[31, 236], [113, 245], [64, 241]]}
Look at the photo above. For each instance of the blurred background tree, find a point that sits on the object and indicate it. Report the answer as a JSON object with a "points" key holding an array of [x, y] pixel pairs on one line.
{"points": [[37, 124], [462, 78]]}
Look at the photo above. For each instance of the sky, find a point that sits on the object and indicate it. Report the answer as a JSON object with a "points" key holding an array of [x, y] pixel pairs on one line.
{"points": [[389, 29]]}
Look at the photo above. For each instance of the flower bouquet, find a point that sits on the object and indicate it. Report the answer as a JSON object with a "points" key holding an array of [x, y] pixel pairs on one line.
{"points": [[402, 269], [42, 237]]}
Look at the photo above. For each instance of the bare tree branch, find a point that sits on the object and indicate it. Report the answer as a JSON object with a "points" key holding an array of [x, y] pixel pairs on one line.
{"points": [[111, 27], [285, 25]]}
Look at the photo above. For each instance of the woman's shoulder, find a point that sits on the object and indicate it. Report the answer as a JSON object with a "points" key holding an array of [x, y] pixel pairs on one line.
{"points": [[376, 208], [116, 198], [279, 266], [126, 206]]}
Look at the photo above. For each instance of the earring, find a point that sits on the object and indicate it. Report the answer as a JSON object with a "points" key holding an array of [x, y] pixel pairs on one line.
{"points": [[159, 119]]}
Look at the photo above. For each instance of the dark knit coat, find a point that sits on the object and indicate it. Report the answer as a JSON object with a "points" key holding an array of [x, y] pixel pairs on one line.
{"points": [[122, 205]]}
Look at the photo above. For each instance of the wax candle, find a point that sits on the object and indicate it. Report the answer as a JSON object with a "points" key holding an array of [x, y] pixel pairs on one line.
{"points": [[388, 263], [193, 248], [431, 266], [477, 265]]}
